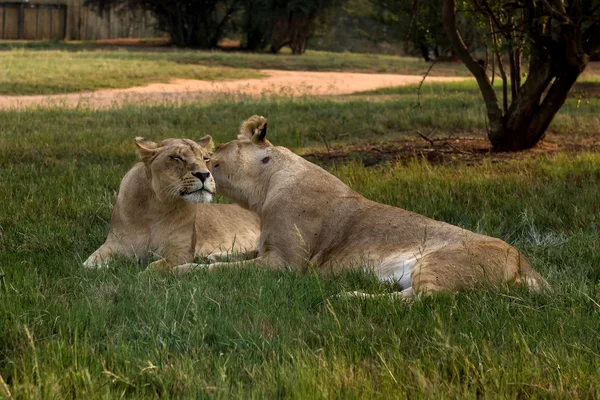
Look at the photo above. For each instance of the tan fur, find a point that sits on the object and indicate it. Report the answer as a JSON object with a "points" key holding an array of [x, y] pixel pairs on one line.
{"points": [[311, 218], [160, 213]]}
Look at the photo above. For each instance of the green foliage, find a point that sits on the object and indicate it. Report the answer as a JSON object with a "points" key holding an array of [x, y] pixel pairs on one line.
{"points": [[201, 23], [419, 23], [278, 23], [354, 27]]}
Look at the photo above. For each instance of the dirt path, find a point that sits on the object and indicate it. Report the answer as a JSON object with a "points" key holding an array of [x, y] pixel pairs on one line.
{"points": [[276, 82]]}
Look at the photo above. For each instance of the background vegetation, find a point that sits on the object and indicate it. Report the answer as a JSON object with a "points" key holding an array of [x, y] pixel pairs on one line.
{"points": [[263, 23]]}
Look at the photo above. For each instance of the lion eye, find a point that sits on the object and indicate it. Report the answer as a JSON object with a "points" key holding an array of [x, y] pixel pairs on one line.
{"points": [[206, 159], [177, 158]]}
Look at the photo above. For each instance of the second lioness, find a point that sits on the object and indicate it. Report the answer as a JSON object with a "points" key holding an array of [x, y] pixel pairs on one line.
{"points": [[310, 217], [160, 211]]}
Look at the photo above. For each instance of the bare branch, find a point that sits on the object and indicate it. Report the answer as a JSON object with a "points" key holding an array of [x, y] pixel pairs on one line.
{"points": [[500, 68], [495, 45], [493, 68], [415, 13], [423, 80], [487, 61], [426, 138], [504, 83], [324, 141], [560, 16], [486, 9], [507, 30]]}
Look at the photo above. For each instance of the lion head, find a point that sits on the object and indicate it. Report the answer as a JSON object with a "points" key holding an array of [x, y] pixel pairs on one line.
{"points": [[177, 168], [242, 167]]}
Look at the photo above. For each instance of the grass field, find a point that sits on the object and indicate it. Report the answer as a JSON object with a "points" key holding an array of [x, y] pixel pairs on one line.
{"points": [[70, 332], [588, 85], [26, 72], [61, 68], [310, 61]]}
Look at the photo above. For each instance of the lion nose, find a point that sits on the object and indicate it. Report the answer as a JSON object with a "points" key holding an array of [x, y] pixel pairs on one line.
{"points": [[201, 175]]}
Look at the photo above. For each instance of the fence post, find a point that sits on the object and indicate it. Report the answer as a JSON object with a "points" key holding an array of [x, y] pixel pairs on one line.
{"points": [[21, 20], [37, 22], [3, 20], [51, 9]]}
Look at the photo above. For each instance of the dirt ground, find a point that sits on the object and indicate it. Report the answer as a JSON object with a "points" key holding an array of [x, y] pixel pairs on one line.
{"points": [[469, 150], [286, 83]]}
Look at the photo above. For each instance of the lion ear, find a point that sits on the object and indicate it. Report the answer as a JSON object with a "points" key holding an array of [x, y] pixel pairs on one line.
{"points": [[145, 148], [260, 134], [206, 142], [254, 128]]}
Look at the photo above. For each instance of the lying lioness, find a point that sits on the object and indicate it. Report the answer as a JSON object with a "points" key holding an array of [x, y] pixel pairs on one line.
{"points": [[159, 211], [310, 217]]}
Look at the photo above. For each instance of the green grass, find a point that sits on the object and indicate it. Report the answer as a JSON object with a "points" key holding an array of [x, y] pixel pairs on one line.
{"points": [[26, 72], [310, 61], [323, 61], [586, 84], [49, 68], [70, 332], [430, 88], [298, 123]]}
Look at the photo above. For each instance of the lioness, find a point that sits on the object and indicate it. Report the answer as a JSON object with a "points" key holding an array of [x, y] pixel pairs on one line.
{"points": [[310, 217], [159, 212]]}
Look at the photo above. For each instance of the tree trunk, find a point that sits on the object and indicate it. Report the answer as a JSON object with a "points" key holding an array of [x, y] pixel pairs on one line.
{"points": [[424, 52], [255, 39], [552, 74], [528, 118]]}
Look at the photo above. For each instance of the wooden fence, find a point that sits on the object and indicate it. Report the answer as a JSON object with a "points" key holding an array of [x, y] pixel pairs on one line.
{"points": [[70, 19], [33, 21]]}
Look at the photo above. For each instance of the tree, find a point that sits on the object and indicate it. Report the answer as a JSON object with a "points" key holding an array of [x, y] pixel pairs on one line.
{"points": [[418, 24], [557, 37], [278, 23], [196, 23]]}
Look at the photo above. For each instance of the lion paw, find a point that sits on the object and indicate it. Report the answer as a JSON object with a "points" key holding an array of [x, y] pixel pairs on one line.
{"points": [[95, 261]]}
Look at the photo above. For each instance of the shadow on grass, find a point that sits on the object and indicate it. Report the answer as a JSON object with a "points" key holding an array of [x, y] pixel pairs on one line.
{"points": [[440, 150]]}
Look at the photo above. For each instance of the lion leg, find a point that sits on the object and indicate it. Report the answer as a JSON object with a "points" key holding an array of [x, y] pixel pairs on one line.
{"points": [[269, 261], [434, 273], [472, 264], [405, 294], [100, 258], [171, 259], [226, 256], [116, 244]]}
